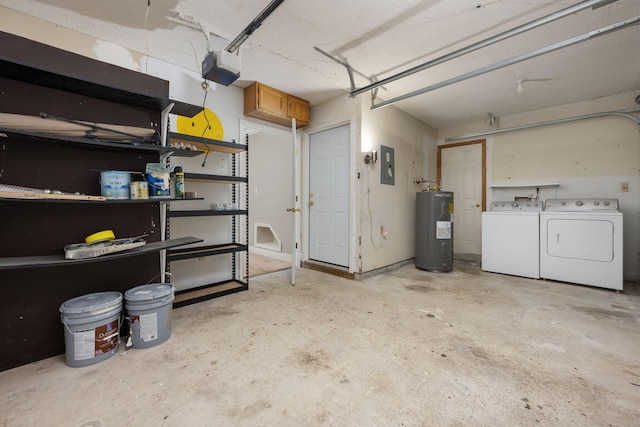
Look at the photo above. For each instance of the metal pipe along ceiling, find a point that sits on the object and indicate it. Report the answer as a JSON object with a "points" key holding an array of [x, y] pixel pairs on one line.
{"points": [[487, 42], [625, 114], [569, 42]]}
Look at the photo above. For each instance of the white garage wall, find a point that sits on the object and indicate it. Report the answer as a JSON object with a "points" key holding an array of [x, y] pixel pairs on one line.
{"points": [[588, 158], [390, 209], [377, 205]]}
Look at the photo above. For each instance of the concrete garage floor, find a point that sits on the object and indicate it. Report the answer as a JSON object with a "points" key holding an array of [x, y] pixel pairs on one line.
{"points": [[404, 348]]}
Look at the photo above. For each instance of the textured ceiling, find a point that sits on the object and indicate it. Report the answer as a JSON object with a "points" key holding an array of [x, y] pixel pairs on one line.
{"points": [[379, 38]]}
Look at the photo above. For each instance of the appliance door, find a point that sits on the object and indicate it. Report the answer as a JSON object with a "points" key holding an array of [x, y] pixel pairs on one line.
{"points": [[583, 248], [510, 243], [584, 239]]}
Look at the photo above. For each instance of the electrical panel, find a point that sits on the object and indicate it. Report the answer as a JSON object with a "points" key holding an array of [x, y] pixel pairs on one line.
{"points": [[387, 166]]}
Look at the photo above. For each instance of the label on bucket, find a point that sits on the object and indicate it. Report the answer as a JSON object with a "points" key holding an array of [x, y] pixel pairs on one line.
{"points": [[148, 326], [114, 184], [91, 343]]}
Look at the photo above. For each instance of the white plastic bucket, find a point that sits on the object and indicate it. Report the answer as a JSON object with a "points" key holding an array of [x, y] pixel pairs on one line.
{"points": [[115, 184], [91, 327], [149, 310]]}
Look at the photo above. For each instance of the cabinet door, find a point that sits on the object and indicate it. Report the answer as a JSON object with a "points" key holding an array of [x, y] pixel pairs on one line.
{"points": [[299, 110], [272, 100]]}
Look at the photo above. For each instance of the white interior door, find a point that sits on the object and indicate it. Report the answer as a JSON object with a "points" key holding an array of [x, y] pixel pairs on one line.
{"points": [[273, 179], [329, 196], [295, 200], [461, 172]]}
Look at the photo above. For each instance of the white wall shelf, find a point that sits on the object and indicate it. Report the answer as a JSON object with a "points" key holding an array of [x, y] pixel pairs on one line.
{"points": [[523, 184]]}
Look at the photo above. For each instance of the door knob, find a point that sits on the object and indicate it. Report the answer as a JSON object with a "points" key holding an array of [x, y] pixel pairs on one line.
{"points": [[293, 209], [311, 203]]}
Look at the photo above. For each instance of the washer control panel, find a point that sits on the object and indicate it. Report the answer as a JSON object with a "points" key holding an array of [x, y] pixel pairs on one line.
{"points": [[579, 205], [535, 206]]}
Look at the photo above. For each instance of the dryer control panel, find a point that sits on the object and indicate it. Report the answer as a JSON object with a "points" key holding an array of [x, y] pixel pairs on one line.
{"points": [[580, 205]]}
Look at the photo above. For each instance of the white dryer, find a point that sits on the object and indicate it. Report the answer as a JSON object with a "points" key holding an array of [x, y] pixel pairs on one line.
{"points": [[511, 237], [581, 242]]}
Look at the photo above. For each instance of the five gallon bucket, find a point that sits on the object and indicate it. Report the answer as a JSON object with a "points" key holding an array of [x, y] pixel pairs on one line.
{"points": [[149, 310], [114, 184], [91, 327]]}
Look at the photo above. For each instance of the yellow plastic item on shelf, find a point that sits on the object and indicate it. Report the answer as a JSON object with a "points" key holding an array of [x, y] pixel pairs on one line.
{"points": [[100, 236]]}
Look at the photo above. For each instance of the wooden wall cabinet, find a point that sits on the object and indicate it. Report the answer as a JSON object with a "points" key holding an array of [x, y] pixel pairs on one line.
{"points": [[264, 102]]}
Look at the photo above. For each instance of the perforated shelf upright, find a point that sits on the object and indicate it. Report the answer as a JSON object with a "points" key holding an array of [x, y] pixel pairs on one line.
{"points": [[235, 211]]}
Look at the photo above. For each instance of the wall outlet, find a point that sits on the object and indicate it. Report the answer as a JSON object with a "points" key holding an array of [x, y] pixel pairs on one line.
{"points": [[624, 187]]}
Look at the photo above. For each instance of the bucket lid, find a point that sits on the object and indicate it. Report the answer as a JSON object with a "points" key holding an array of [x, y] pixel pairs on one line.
{"points": [[149, 292], [91, 302]]}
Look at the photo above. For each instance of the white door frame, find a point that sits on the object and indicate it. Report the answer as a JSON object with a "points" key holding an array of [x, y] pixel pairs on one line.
{"points": [[355, 155]]}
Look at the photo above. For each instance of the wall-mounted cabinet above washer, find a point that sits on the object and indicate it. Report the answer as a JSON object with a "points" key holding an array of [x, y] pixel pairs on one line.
{"points": [[264, 102]]}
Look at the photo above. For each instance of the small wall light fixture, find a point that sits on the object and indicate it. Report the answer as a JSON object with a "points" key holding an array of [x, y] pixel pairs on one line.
{"points": [[371, 157]]}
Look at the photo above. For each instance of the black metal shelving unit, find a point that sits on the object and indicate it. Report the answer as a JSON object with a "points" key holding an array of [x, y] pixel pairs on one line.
{"points": [[34, 275], [94, 143], [15, 69], [7, 263], [235, 283]]}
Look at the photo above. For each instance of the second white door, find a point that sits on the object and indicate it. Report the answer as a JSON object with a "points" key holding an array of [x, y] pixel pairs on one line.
{"points": [[462, 173], [329, 196]]}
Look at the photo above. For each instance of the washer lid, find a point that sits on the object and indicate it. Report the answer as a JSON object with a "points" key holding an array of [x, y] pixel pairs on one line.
{"points": [[149, 292], [91, 302]]}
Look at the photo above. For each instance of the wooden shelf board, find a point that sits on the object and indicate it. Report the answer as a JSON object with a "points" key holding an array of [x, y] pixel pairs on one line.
{"points": [[53, 198], [203, 293], [208, 250]]}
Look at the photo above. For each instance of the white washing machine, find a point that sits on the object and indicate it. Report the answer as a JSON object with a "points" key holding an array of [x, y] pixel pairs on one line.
{"points": [[581, 242], [511, 238]]}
